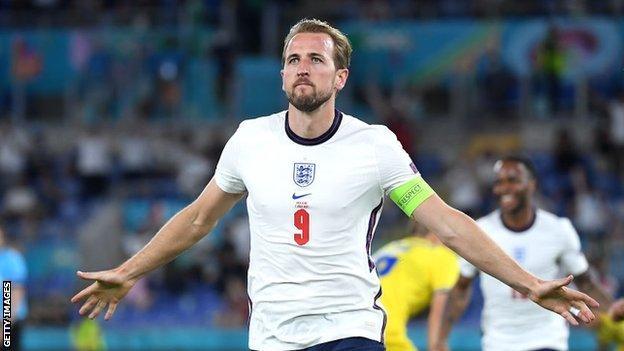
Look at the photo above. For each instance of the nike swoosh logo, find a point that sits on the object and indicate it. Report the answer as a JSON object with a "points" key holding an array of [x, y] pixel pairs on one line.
{"points": [[295, 196]]}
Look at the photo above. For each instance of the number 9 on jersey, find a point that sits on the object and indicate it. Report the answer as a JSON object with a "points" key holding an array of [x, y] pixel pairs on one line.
{"points": [[302, 222]]}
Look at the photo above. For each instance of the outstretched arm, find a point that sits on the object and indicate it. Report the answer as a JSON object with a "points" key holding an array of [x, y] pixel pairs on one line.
{"points": [[182, 231], [453, 308], [438, 328], [460, 233]]}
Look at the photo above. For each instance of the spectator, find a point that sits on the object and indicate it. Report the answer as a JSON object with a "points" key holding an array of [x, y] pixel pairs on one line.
{"points": [[590, 208], [616, 128], [551, 63], [235, 311], [14, 148], [94, 163], [567, 156], [496, 82], [135, 153], [463, 186], [13, 268]]}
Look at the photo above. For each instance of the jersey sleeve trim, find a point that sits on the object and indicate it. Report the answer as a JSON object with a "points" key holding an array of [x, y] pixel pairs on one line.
{"points": [[411, 194], [228, 189], [466, 269], [227, 175]]}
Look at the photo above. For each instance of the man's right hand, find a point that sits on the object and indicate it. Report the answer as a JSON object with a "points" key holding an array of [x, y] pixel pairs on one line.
{"points": [[108, 289]]}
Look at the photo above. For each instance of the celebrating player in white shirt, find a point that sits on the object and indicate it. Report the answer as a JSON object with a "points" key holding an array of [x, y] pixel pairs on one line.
{"points": [[543, 244], [315, 179]]}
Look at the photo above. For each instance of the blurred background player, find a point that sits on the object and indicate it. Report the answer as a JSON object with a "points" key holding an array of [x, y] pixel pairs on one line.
{"points": [[616, 311], [541, 242], [415, 272], [13, 268], [611, 327]]}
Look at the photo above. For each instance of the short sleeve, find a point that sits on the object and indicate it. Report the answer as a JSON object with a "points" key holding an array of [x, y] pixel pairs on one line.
{"points": [[15, 268], [394, 164], [227, 174], [446, 271], [573, 260]]}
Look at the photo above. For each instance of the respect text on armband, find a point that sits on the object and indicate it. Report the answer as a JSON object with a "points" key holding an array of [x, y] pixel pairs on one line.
{"points": [[409, 195]]}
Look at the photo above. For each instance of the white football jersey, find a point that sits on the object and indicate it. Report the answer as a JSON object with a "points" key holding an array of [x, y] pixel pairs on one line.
{"points": [[550, 248], [313, 207]]}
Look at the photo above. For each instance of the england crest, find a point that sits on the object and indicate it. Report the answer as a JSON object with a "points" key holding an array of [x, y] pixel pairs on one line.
{"points": [[303, 173]]}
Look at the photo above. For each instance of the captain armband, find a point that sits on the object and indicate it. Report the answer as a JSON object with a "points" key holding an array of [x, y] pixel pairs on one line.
{"points": [[411, 194]]}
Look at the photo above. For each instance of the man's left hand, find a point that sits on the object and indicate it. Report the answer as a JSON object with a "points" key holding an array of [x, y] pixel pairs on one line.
{"points": [[568, 303]]}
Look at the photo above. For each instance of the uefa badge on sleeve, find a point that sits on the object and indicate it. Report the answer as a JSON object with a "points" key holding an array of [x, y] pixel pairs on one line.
{"points": [[303, 173]]}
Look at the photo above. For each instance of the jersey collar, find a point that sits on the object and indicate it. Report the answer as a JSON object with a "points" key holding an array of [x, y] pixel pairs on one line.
{"points": [[319, 139], [523, 229]]}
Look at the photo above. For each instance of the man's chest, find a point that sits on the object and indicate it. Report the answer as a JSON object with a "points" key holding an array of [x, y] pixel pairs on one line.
{"points": [[538, 252], [324, 180]]}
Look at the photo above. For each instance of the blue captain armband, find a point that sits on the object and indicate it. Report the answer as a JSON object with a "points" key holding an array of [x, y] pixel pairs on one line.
{"points": [[411, 194]]}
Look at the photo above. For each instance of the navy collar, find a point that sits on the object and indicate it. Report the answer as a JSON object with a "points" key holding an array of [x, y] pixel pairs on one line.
{"points": [[319, 139], [522, 229]]}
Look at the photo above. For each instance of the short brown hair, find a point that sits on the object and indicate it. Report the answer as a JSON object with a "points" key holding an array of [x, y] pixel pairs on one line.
{"points": [[342, 46]]}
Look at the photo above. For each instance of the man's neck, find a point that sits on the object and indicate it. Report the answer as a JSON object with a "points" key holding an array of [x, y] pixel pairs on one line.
{"points": [[310, 125], [520, 220]]}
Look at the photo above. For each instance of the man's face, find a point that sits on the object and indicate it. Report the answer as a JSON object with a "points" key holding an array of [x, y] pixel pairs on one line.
{"points": [[513, 186], [309, 76]]}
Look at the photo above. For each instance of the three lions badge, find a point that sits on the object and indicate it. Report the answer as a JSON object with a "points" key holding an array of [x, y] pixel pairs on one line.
{"points": [[303, 173]]}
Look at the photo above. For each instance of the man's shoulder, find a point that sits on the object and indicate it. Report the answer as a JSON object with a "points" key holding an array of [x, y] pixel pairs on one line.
{"points": [[490, 218], [376, 131], [262, 122], [551, 219]]}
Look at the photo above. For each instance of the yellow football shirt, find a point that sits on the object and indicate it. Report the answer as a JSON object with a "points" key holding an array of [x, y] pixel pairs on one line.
{"points": [[611, 332], [411, 270]]}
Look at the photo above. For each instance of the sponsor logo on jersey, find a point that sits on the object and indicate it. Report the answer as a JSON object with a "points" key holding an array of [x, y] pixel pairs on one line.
{"points": [[303, 174], [295, 196]]}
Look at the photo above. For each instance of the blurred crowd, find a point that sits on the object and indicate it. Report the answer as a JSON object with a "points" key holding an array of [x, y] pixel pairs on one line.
{"points": [[179, 59], [87, 197], [89, 173], [60, 183], [87, 12]]}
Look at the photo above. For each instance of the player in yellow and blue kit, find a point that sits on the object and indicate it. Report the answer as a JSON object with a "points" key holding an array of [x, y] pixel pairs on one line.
{"points": [[415, 272], [611, 326]]}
